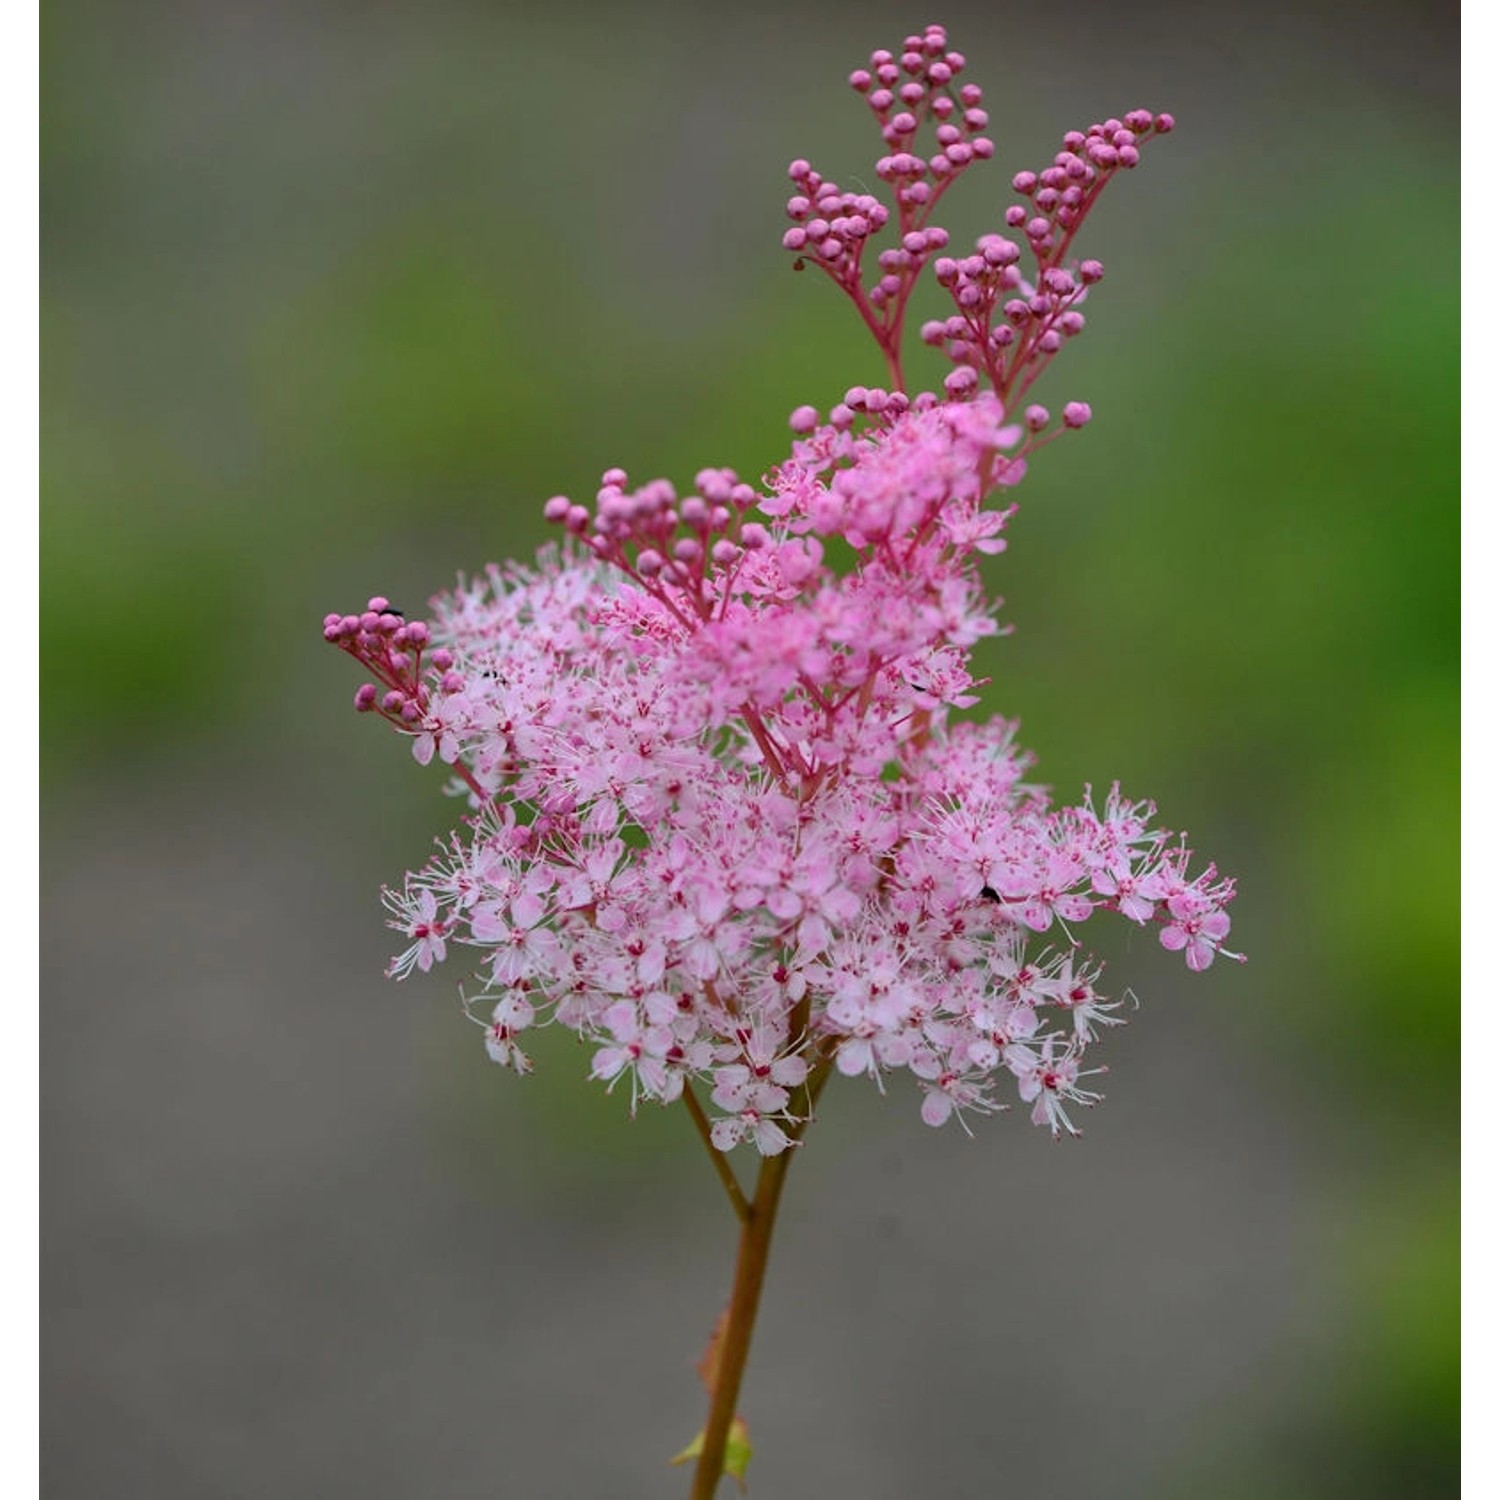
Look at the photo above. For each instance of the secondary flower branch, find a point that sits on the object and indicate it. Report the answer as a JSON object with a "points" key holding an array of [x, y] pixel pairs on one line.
{"points": [[737, 1199]]}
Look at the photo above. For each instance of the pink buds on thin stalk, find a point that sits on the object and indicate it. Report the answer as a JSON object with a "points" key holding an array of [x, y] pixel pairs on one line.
{"points": [[1017, 297]]}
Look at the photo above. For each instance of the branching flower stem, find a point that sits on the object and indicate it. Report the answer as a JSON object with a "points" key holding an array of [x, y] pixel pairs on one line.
{"points": [[733, 1345]]}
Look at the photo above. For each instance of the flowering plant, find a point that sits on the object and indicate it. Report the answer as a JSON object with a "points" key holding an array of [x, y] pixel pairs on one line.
{"points": [[722, 819]]}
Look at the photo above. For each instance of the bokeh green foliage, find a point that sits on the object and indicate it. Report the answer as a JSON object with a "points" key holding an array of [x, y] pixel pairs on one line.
{"points": [[1235, 591]]}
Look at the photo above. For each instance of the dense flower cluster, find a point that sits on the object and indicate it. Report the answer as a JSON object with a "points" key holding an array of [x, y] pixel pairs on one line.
{"points": [[723, 820]]}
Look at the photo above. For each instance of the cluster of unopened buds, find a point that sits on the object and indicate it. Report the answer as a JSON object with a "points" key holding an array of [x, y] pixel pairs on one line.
{"points": [[1008, 322], [723, 819], [390, 650]]}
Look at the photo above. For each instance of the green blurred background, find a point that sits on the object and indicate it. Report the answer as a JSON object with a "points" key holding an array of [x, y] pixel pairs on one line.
{"points": [[334, 297]]}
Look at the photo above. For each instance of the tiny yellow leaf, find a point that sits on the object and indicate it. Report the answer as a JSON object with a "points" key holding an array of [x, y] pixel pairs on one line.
{"points": [[737, 1452], [689, 1453]]}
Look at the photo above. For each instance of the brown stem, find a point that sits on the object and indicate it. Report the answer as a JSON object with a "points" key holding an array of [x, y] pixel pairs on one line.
{"points": [[749, 1276]]}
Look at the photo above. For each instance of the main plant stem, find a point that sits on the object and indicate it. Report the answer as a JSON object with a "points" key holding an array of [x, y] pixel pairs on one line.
{"points": [[733, 1343]]}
